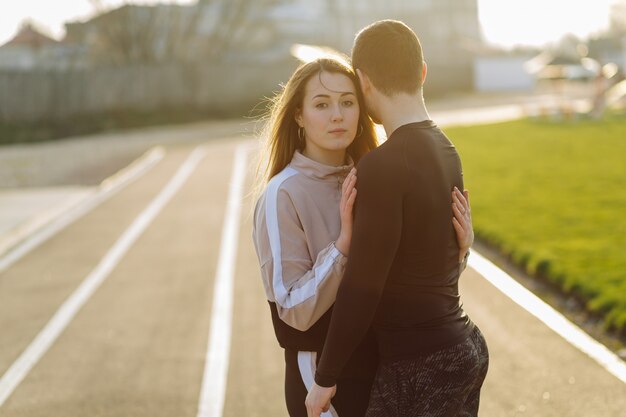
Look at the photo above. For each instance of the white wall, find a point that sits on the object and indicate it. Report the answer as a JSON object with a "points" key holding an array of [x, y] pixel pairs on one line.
{"points": [[502, 73]]}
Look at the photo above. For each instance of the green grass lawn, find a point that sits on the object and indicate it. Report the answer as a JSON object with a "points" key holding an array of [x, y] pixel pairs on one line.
{"points": [[553, 197]]}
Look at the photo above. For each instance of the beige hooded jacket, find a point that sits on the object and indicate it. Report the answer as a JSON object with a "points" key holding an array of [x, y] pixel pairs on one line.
{"points": [[296, 222]]}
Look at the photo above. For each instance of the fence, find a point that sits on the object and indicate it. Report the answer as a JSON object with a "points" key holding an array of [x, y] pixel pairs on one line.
{"points": [[56, 96]]}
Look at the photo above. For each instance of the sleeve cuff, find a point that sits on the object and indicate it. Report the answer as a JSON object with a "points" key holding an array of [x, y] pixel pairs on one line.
{"points": [[339, 257], [325, 381]]}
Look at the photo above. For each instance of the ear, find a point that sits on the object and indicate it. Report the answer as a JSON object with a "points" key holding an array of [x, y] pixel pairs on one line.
{"points": [[364, 81], [424, 71], [299, 117]]}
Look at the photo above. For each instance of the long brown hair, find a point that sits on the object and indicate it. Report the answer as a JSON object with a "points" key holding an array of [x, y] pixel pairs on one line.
{"points": [[281, 131]]}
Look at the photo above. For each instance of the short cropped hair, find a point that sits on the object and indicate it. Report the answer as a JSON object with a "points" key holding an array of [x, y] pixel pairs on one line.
{"points": [[389, 52]]}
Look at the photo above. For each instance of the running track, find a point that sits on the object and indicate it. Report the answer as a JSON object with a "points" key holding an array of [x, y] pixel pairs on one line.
{"points": [[149, 303]]}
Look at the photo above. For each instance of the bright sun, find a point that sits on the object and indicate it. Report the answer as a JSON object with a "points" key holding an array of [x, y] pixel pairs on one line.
{"points": [[538, 22]]}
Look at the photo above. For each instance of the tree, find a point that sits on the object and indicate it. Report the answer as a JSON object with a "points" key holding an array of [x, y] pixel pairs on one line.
{"points": [[618, 17], [133, 34]]}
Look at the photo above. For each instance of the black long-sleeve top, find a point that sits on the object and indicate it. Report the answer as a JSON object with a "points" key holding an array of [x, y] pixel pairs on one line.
{"points": [[403, 269]]}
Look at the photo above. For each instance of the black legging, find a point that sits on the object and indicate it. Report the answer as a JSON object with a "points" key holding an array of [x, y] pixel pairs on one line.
{"points": [[352, 394]]}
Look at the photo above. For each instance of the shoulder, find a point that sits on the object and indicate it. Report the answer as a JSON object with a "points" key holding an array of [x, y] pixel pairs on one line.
{"points": [[384, 162], [281, 181], [287, 183], [283, 189]]}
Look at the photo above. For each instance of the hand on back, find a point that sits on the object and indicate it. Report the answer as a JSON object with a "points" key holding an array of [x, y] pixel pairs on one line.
{"points": [[346, 206], [462, 221]]}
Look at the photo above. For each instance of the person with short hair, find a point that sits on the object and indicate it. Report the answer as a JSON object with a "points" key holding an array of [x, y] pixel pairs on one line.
{"points": [[402, 274]]}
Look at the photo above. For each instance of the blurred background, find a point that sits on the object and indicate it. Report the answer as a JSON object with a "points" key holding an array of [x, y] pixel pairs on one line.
{"points": [[77, 68], [108, 63], [530, 92]]}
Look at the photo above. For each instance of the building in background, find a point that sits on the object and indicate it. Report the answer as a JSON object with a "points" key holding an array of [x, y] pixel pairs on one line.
{"points": [[215, 56], [30, 49], [449, 30], [246, 32], [496, 70], [135, 34]]}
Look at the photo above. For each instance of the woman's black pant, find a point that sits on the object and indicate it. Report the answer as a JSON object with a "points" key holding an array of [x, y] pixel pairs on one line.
{"points": [[352, 393]]}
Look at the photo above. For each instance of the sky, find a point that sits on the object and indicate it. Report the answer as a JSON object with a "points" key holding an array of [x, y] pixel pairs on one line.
{"points": [[537, 22], [505, 22]]}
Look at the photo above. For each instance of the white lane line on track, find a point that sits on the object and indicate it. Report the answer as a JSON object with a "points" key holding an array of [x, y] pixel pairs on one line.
{"points": [[213, 391], [42, 342], [107, 189], [549, 316]]}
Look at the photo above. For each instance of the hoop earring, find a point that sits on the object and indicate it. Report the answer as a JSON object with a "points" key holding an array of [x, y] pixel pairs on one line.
{"points": [[301, 135], [358, 135]]}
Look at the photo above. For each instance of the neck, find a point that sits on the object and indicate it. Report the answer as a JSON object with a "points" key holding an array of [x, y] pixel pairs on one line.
{"points": [[330, 158], [401, 109]]}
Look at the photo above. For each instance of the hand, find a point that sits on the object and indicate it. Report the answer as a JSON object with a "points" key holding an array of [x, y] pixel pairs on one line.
{"points": [[346, 206], [462, 221], [318, 400]]}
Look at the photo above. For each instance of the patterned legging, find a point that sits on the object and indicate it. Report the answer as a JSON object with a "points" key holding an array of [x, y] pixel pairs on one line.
{"points": [[445, 383]]}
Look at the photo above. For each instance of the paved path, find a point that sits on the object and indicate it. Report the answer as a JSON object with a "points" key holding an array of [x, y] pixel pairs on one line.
{"points": [[137, 345], [135, 341]]}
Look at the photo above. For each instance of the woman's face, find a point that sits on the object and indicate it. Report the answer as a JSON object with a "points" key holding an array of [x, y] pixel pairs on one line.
{"points": [[330, 112]]}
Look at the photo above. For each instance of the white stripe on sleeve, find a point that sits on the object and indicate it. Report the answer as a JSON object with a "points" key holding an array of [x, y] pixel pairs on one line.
{"points": [[285, 298]]}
